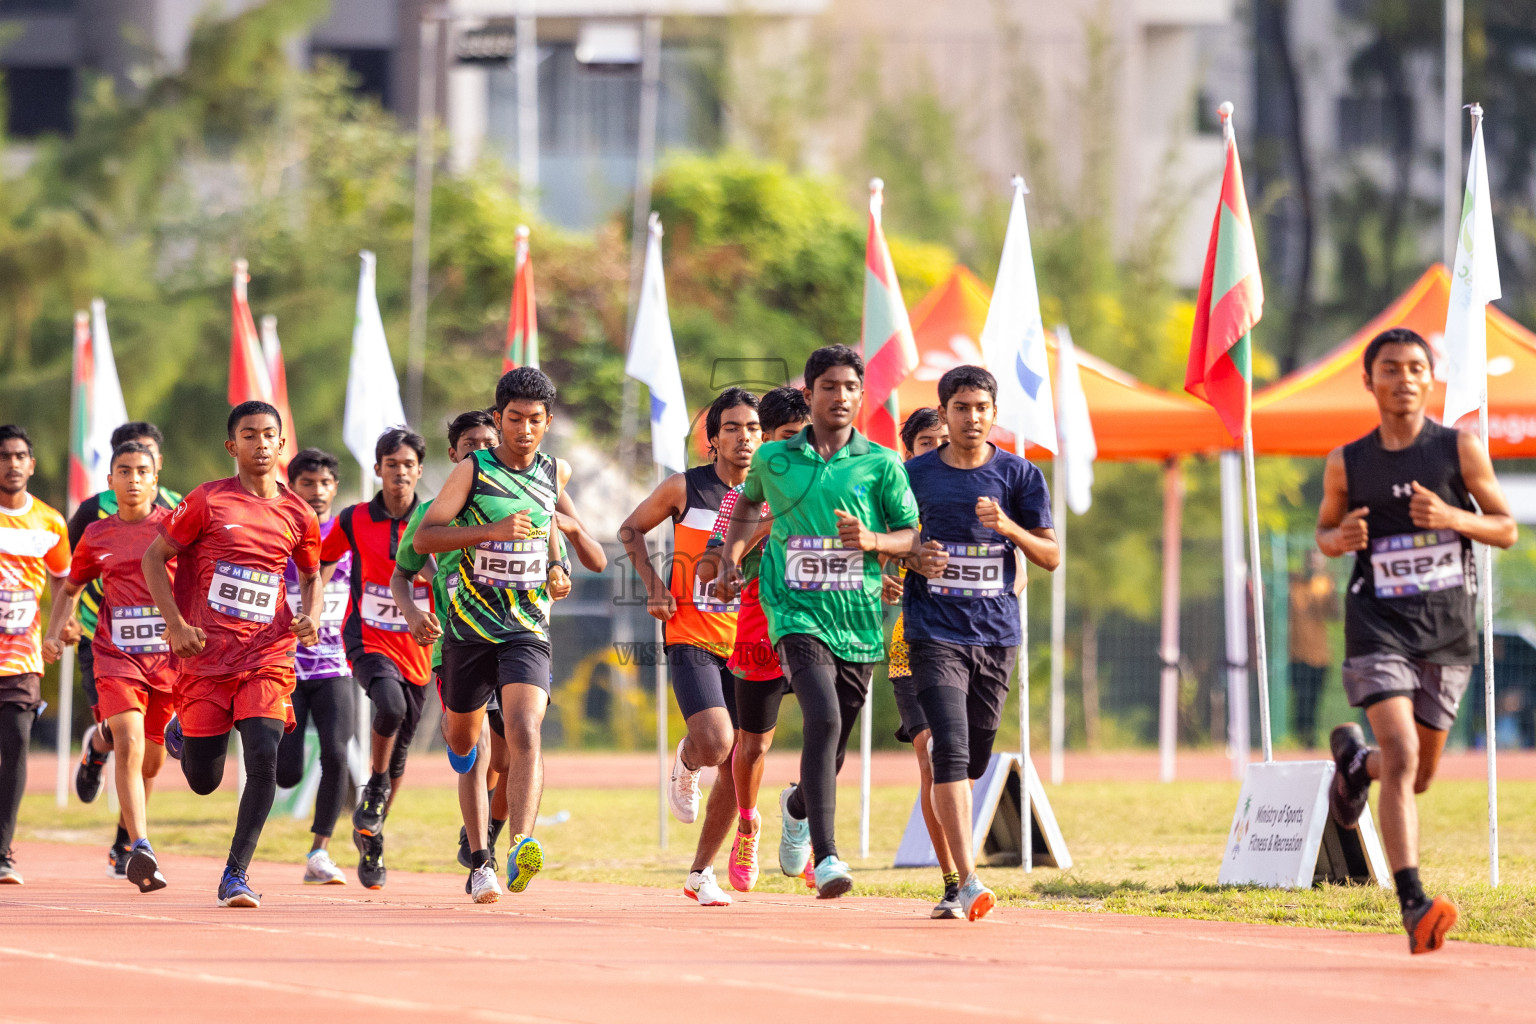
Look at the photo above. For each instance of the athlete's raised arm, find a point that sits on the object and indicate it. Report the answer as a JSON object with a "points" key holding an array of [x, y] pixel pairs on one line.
{"points": [[1038, 545], [65, 597], [435, 535], [424, 626]]}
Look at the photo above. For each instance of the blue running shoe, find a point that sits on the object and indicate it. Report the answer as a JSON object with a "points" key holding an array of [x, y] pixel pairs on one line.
{"points": [[234, 890], [794, 838], [142, 869], [833, 878], [525, 861], [462, 764], [173, 737]]}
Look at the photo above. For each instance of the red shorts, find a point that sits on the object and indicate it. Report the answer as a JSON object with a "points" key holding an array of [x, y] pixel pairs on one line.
{"points": [[211, 705], [753, 658], [117, 694]]}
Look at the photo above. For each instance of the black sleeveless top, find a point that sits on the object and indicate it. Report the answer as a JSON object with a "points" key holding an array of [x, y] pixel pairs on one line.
{"points": [[1411, 592]]}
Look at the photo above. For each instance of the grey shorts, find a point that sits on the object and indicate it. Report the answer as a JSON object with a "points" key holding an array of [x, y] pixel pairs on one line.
{"points": [[1435, 690]]}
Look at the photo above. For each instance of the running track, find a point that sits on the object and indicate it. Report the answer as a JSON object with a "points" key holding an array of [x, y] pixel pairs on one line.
{"points": [[75, 946]]}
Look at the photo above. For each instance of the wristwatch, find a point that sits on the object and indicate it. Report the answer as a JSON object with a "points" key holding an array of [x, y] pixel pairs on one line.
{"points": [[562, 564]]}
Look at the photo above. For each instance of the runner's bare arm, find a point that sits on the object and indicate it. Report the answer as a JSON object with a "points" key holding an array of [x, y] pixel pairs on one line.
{"points": [[184, 639], [327, 570], [1340, 529], [311, 597], [65, 597], [668, 501], [435, 535], [424, 626], [557, 576], [1038, 544], [1494, 526]]}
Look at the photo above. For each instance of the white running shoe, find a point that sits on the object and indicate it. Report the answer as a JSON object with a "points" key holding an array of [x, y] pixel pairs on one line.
{"points": [[683, 793], [319, 869], [701, 886], [483, 886]]}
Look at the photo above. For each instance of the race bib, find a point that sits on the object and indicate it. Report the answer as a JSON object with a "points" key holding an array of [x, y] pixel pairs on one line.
{"points": [[334, 610], [18, 610], [974, 571], [706, 600], [822, 563], [451, 584], [243, 593], [1406, 564], [380, 611], [511, 564], [139, 630]]}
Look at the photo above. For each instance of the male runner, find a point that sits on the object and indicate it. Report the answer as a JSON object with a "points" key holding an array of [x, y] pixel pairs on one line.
{"points": [[34, 544], [229, 624], [760, 683], [324, 688], [387, 661], [979, 504], [820, 586], [700, 629], [922, 432], [97, 742], [134, 667], [497, 511], [1401, 499]]}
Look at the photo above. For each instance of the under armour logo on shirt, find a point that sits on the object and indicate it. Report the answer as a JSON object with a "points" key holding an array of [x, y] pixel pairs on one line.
{"points": [[1402, 490]]}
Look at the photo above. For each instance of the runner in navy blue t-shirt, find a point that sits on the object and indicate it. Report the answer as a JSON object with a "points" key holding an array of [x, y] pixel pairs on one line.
{"points": [[962, 626]]}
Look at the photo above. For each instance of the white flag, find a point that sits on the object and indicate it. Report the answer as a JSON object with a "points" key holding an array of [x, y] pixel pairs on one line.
{"points": [[108, 410], [653, 361], [1013, 340], [1474, 284], [1075, 427], [373, 390]]}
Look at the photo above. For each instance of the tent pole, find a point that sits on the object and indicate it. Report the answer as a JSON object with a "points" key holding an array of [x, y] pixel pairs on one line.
{"points": [[1168, 695], [1489, 712], [1026, 814], [658, 649]]}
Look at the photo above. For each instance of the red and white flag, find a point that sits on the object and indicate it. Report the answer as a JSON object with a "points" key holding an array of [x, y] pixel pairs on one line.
{"points": [[890, 352], [252, 369], [523, 325]]}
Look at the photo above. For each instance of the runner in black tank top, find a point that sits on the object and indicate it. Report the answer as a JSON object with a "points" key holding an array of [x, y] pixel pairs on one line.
{"points": [[1401, 499]]}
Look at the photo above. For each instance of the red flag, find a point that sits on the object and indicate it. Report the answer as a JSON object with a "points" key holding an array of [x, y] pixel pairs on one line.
{"points": [[890, 353], [250, 379], [80, 487], [272, 357], [523, 325]]}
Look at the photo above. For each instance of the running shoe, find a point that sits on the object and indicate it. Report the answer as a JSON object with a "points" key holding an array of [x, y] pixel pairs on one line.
{"points": [[235, 889], [833, 878], [8, 873], [525, 861], [174, 739], [702, 887], [88, 775], [462, 763], [371, 873], [482, 885], [1351, 785], [464, 852], [142, 869], [319, 869], [117, 861], [368, 819], [809, 875], [683, 793], [976, 899], [948, 908], [794, 837], [744, 861], [1427, 924]]}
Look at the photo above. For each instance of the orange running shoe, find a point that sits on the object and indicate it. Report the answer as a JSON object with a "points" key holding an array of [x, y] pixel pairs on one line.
{"points": [[1428, 923]]}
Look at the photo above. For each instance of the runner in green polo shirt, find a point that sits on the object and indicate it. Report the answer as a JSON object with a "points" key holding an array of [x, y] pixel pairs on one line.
{"points": [[839, 502]]}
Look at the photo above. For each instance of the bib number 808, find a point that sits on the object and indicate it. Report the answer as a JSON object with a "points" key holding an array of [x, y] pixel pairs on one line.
{"points": [[246, 596]]}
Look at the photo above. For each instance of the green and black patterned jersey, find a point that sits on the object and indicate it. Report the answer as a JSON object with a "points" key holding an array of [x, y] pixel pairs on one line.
{"points": [[503, 589], [99, 506]]}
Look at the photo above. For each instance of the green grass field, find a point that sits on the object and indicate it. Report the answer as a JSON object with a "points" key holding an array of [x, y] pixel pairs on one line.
{"points": [[1140, 848]]}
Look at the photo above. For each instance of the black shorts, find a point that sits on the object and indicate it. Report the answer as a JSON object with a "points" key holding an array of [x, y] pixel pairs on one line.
{"points": [[25, 689], [370, 666], [757, 703], [87, 661], [981, 673], [472, 672], [913, 721], [700, 681], [801, 651]]}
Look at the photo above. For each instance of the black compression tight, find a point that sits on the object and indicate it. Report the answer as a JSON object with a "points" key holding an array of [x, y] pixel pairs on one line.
{"points": [[15, 732], [960, 750], [329, 702], [202, 762], [829, 706]]}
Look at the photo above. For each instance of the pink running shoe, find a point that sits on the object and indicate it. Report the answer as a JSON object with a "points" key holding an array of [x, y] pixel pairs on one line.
{"points": [[810, 876], [743, 861]]}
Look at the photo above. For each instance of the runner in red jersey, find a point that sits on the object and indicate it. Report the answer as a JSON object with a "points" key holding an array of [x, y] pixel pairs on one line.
{"points": [[387, 661], [228, 622], [134, 666]]}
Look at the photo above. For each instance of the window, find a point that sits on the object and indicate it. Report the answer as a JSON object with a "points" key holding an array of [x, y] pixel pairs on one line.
{"points": [[368, 68], [39, 101]]}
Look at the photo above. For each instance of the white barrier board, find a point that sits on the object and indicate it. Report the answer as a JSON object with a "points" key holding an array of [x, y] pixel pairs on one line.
{"points": [[994, 823]]}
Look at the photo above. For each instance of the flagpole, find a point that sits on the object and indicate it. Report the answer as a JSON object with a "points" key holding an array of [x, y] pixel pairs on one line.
{"points": [[658, 647], [1256, 583], [1059, 621], [1026, 813]]}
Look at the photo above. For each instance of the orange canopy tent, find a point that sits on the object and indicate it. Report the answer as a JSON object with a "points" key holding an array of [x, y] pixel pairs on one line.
{"points": [[1325, 404], [1130, 420]]}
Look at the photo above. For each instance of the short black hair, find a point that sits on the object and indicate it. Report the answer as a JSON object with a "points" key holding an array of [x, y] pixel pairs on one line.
{"points": [[823, 359], [467, 421], [1396, 336], [313, 460], [781, 406], [245, 409], [963, 378], [525, 384], [728, 399], [922, 419], [395, 438], [130, 448], [135, 430], [12, 432]]}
